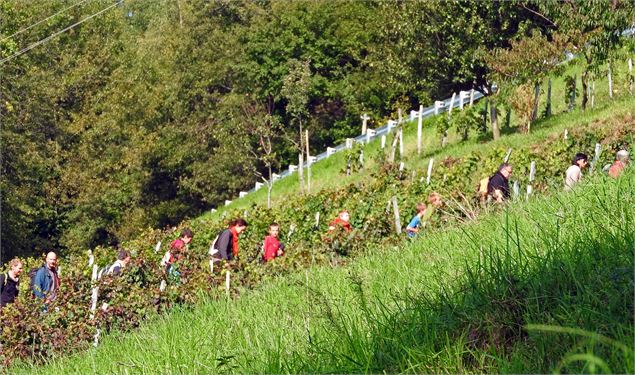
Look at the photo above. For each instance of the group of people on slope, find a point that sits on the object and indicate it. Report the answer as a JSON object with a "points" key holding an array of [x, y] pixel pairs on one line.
{"points": [[498, 184], [580, 161], [45, 280]]}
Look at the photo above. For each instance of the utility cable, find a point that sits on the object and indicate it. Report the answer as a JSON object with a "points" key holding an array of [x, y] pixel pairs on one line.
{"points": [[42, 41], [44, 20]]}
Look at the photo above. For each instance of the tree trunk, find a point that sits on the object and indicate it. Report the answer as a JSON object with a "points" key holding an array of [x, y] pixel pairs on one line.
{"points": [[269, 187], [534, 112], [548, 108], [301, 171], [585, 89], [301, 161], [508, 118], [494, 120]]}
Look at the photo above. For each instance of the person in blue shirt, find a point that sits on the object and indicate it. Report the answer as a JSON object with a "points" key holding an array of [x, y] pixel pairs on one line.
{"points": [[413, 228]]}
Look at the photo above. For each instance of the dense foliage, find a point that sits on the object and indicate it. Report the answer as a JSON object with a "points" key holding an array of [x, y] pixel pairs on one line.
{"points": [[125, 301], [155, 110]]}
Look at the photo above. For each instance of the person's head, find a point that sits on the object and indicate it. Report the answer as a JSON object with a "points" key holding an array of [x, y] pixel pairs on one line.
{"points": [[344, 216], [15, 267], [51, 260], [622, 155], [580, 159], [435, 199], [187, 235], [505, 169], [123, 256], [239, 225], [421, 207], [274, 229]]}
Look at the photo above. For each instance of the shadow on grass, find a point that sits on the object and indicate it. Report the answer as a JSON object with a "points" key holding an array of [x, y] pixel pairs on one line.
{"points": [[569, 268]]}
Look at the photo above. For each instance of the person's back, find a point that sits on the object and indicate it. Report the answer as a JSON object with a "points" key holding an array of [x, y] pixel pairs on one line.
{"points": [[572, 176], [618, 166], [498, 185], [224, 245], [227, 242], [414, 226]]}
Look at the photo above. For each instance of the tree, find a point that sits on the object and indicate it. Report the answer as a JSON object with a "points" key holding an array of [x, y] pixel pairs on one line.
{"points": [[295, 90], [520, 69], [594, 28]]}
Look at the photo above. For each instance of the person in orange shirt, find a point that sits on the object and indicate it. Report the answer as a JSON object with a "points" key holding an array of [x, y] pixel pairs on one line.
{"points": [[621, 161], [342, 220]]}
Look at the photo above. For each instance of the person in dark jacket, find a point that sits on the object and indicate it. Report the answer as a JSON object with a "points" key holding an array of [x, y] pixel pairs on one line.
{"points": [[498, 186], [10, 282], [47, 283], [227, 242]]}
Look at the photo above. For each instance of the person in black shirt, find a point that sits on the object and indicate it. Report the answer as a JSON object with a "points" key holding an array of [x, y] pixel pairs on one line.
{"points": [[498, 186], [10, 282]]}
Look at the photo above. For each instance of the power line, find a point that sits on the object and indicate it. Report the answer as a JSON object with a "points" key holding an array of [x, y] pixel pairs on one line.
{"points": [[30, 47], [44, 20]]}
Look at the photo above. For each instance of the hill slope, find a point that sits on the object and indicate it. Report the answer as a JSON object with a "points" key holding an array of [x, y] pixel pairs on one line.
{"points": [[356, 316], [467, 299]]}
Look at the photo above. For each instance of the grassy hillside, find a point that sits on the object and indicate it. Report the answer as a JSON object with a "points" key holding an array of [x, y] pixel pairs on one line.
{"points": [[322, 325], [539, 287]]}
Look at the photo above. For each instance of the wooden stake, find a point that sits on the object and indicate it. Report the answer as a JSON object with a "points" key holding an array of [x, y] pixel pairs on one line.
{"points": [[509, 153], [400, 143], [365, 119], [396, 211], [430, 163], [451, 104], [227, 283], [596, 157], [419, 129], [610, 76], [308, 165]]}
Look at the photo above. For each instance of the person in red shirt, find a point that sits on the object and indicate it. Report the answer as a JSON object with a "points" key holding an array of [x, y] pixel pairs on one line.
{"points": [[272, 246], [176, 250], [342, 220]]}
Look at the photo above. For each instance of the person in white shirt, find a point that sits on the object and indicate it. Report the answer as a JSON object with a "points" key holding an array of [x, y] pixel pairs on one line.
{"points": [[574, 172]]}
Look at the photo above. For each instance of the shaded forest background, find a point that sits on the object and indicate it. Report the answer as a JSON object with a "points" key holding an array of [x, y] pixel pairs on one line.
{"points": [[155, 110]]}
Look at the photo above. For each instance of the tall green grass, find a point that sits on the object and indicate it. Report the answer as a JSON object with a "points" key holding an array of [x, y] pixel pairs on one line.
{"points": [[541, 286]]}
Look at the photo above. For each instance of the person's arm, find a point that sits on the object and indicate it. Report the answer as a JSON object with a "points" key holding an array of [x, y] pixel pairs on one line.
{"points": [[38, 283], [166, 259], [413, 225], [224, 245]]}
